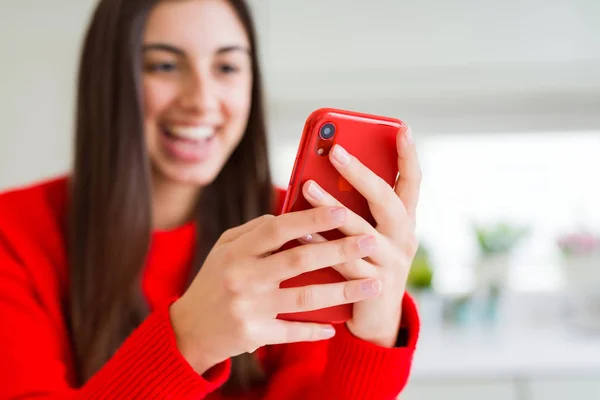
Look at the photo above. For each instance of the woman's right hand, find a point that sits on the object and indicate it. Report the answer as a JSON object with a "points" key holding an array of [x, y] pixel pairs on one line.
{"points": [[231, 306]]}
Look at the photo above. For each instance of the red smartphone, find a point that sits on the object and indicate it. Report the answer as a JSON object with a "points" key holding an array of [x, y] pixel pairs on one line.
{"points": [[371, 139]]}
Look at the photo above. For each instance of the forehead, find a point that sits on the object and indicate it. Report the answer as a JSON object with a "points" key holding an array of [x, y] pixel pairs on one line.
{"points": [[195, 25]]}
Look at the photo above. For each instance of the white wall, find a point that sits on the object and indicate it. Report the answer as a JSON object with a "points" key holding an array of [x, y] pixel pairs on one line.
{"points": [[431, 48], [39, 42], [430, 32]]}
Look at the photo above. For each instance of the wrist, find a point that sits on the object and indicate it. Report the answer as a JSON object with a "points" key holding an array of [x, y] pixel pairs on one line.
{"points": [[383, 332], [184, 339], [389, 334], [387, 339]]}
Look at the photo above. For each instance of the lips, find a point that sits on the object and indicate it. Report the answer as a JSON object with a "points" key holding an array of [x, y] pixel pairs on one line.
{"points": [[189, 143]]}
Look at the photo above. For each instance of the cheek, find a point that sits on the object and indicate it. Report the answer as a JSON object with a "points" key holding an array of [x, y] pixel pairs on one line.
{"points": [[237, 101], [157, 97]]}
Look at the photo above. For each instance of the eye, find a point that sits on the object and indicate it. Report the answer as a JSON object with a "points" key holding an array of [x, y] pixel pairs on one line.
{"points": [[228, 68], [162, 67]]}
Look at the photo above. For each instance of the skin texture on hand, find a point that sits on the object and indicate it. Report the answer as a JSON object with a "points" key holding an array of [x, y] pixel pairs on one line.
{"points": [[232, 304]]}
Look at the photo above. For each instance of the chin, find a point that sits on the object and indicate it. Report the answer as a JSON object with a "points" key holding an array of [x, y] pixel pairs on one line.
{"points": [[190, 175]]}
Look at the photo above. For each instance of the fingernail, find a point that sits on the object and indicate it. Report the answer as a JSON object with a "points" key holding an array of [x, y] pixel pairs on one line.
{"points": [[327, 332], [408, 137], [341, 155], [367, 244], [338, 214], [370, 287], [315, 191]]}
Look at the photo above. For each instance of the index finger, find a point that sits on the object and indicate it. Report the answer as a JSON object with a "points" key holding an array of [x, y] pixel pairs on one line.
{"points": [[310, 257], [277, 231], [408, 184], [383, 202]]}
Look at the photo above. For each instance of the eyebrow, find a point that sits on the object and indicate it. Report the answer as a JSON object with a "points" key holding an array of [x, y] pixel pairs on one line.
{"points": [[175, 50], [164, 47], [228, 49]]}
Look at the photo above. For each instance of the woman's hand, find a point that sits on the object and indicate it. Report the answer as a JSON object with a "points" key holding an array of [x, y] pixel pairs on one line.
{"points": [[378, 319], [231, 306]]}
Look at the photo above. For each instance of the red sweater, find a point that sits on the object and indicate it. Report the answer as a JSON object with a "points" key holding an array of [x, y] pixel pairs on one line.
{"points": [[35, 353]]}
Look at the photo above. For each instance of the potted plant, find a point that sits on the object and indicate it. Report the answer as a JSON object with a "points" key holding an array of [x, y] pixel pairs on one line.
{"points": [[496, 243], [581, 266], [580, 260]]}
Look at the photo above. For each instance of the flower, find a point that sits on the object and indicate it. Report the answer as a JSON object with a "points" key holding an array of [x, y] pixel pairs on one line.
{"points": [[578, 243]]}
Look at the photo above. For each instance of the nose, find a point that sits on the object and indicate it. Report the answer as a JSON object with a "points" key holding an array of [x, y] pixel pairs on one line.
{"points": [[199, 93]]}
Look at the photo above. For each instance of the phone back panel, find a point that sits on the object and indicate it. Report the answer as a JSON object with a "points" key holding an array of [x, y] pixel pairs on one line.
{"points": [[370, 138]]}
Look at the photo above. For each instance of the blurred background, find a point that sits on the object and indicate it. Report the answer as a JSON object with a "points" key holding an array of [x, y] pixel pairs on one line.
{"points": [[504, 101]]}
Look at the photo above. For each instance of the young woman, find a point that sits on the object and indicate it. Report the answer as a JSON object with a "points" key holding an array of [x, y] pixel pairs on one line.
{"points": [[147, 273]]}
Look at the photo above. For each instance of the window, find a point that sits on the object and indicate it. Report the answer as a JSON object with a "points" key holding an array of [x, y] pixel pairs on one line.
{"points": [[544, 180]]}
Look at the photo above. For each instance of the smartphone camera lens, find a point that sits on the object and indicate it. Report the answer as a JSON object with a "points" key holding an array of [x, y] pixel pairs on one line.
{"points": [[327, 131]]}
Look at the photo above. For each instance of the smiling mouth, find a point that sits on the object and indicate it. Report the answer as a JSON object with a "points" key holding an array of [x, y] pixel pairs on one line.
{"points": [[190, 134], [189, 143]]}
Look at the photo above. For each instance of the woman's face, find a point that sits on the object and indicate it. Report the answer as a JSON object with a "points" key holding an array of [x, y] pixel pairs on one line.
{"points": [[197, 88]]}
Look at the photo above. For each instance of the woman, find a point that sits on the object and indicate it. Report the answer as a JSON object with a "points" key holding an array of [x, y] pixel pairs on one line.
{"points": [[148, 273]]}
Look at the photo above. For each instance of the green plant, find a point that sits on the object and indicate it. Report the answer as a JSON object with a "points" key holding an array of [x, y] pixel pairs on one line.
{"points": [[499, 238], [420, 276]]}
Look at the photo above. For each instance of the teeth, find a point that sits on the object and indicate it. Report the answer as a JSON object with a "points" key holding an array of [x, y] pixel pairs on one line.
{"points": [[192, 132]]}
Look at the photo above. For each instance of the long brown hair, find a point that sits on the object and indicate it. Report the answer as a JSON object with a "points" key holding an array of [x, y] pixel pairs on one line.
{"points": [[110, 213]]}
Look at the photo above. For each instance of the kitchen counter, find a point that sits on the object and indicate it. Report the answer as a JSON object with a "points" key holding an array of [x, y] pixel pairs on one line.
{"points": [[481, 354], [514, 363]]}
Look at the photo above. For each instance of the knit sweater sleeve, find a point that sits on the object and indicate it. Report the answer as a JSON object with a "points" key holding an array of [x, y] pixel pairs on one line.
{"points": [[35, 352], [344, 367]]}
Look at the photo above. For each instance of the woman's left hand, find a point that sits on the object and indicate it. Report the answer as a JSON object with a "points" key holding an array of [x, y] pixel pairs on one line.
{"points": [[378, 319]]}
